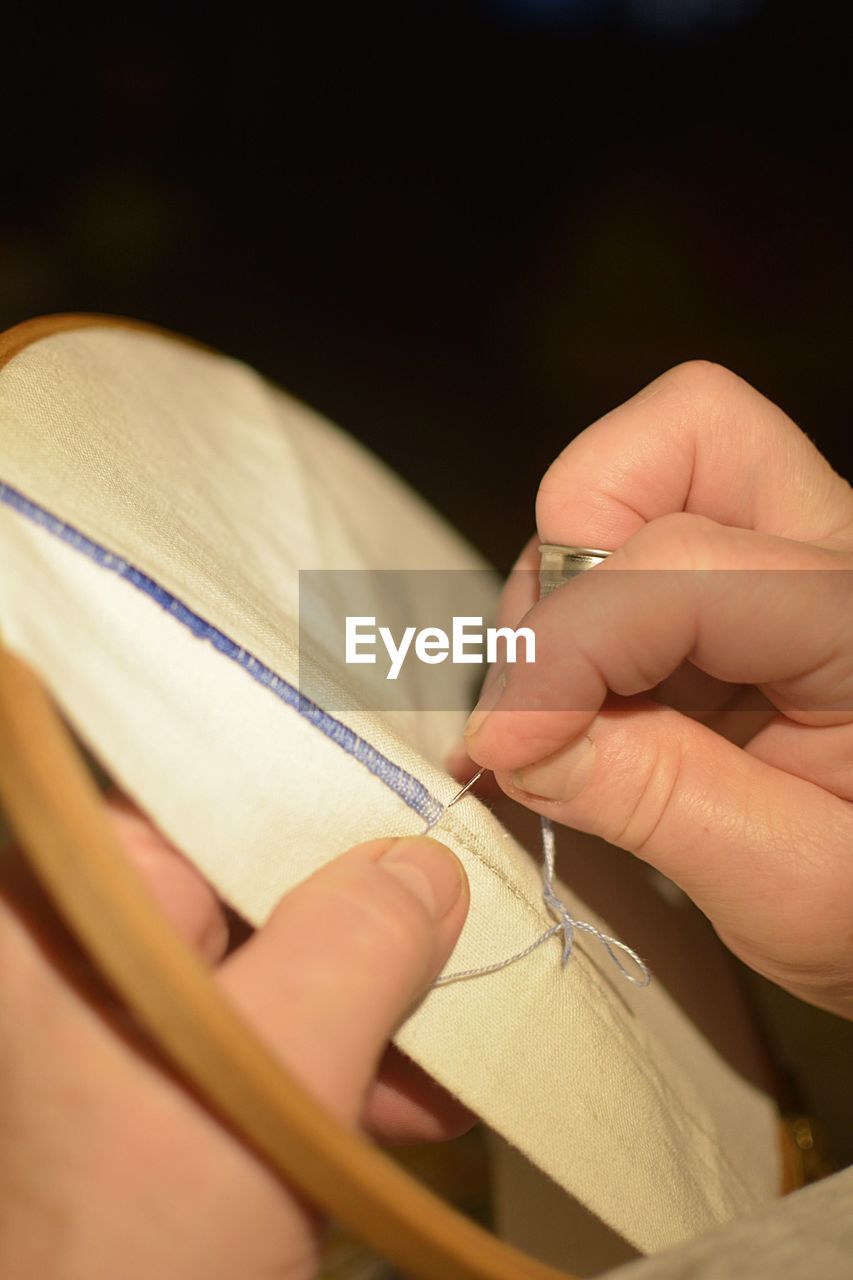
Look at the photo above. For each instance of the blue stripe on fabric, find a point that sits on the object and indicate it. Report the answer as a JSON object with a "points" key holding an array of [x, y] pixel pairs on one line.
{"points": [[403, 784]]}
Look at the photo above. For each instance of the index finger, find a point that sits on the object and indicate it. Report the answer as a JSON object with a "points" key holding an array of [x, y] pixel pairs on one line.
{"points": [[698, 439], [744, 608]]}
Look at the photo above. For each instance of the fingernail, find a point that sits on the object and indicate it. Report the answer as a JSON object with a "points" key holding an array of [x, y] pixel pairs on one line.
{"points": [[562, 776], [428, 870], [489, 699]]}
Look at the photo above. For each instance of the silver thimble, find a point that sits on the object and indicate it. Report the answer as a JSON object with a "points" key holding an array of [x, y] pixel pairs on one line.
{"points": [[558, 564]]}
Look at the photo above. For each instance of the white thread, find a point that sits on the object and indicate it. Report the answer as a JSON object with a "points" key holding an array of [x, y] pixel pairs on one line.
{"points": [[566, 924], [572, 561]]}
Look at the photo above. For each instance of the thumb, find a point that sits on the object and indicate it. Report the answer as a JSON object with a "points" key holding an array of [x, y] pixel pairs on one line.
{"points": [[344, 958]]}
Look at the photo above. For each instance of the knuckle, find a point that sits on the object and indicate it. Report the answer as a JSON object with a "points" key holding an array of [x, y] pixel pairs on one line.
{"points": [[695, 386], [702, 380], [701, 394]]}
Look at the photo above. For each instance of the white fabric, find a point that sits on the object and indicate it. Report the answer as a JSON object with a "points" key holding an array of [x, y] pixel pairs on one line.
{"points": [[219, 488]]}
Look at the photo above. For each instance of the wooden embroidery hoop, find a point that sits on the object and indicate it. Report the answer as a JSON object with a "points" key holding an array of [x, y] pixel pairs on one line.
{"points": [[54, 809]]}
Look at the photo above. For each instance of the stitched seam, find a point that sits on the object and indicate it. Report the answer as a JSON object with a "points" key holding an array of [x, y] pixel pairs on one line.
{"points": [[408, 788]]}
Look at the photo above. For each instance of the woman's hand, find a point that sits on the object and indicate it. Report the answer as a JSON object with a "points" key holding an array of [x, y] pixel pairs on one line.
{"points": [[108, 1165], [730, 595]]}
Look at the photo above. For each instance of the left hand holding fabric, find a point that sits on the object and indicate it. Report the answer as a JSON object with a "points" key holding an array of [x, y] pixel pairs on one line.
{"points": [[109, 1166]]}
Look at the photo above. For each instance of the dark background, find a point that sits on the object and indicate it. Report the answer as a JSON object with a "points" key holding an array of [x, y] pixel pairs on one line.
{"points": [[463, 230]]}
